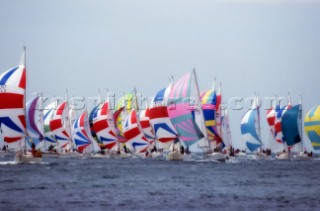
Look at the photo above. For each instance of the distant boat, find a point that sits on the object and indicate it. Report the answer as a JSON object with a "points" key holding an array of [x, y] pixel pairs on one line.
{"points": [[163, 128], [60, 128], [136, 141], [182, 112], [212, 116], [211, 119], [312, 126], [288, 129], [290, 125], [274, 116], [104, 127], [82, 137], [278, 122], [12, 111], [12, 108], [250, 127], [122, 110], [187, 116]]}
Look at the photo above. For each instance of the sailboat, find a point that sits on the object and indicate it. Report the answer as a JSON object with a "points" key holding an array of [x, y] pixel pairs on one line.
{"points": [[135, 139], [211, 121], [12, 111], [182, 114], [60, 128], [162, 126], [279, 112], [273, 116], [82, 137], [105, 129], [212, 114], [291, 126], [312, 126], [288, 127], [250, 127], [122, 110], [186, 114]]}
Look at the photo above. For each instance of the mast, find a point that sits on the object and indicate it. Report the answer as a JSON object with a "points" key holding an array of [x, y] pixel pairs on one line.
{"points": [[201, 111], [135, 98], [41, 118], [220, 111], [100, 97], [23, 62], [300, 120], [258, 113], [289, 98], [68, 120], [226, 118], [287, 107], [213, 87]]}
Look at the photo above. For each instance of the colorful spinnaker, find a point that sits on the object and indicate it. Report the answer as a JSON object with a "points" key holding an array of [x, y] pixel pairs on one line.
{"points": [[82, 137], [273, 116], [290, 125], [47, 115], [12, 106], [159, 117], [34, 121], [278, 125], [135, 138], [181, 110], [209, 107], [125, 104], [60, 127], [91, 116], [250, 127], [104, 126], [144, 118], [312, 126]]}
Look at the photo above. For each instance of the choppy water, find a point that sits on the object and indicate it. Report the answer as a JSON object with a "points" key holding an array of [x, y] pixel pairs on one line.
{"points": [[135, 184]]}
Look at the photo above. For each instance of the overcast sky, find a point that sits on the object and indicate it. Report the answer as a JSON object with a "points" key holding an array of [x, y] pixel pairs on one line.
{"points": [[251, 46]]}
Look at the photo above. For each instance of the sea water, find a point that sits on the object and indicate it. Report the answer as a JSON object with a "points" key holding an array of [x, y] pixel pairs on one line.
{"points": [[138, 184]]}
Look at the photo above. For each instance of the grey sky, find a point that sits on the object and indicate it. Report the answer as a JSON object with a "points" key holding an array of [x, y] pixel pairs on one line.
{"points": [[269, 47]]}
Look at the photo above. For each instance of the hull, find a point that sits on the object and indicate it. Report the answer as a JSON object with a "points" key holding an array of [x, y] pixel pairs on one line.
{"points": [[301, 156], [261, 156], [125, 155], [139, 155], [217, 156], [241, 154], [175, 155], [157, 155], [113, 154], [50, 154], [98, 156], [70, 155], [26, 158], [283, 156]]}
